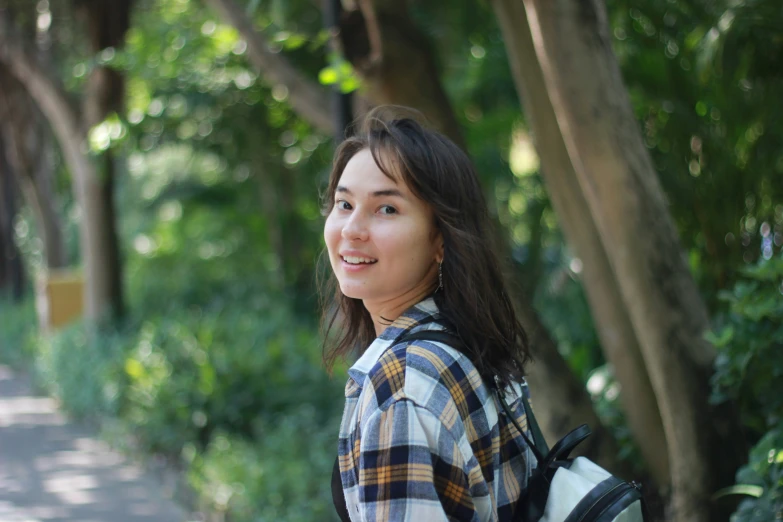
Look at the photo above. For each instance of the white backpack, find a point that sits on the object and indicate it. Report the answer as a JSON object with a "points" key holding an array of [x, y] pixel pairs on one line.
{"points": [[562, 489]]}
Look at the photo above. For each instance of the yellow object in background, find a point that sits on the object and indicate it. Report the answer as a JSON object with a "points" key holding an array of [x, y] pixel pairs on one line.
{"points": [[60, 298]]}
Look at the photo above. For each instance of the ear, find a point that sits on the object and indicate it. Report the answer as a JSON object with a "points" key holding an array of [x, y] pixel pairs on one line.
{"points": [[439, 247]]}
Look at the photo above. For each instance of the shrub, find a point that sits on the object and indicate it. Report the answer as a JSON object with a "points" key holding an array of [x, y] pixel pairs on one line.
{"points": [[229, 370], [762, 480], [749, 364], [18, 325], [84, 374], [282, 475], [748, 370]]}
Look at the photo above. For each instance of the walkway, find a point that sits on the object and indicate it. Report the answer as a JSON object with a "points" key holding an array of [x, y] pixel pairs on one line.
{"points": [[54, 471]]}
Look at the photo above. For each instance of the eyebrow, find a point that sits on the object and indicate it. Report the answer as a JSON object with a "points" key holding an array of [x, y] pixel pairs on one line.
{"points": [[376, 194]]}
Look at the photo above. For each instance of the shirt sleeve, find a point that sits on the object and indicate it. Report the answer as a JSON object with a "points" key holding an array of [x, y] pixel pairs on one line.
{"points": [[410, 468]]}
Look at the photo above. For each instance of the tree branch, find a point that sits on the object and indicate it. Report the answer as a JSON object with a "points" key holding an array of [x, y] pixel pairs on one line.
{"points": [[308, 99], [44, 88], [26, 142]]}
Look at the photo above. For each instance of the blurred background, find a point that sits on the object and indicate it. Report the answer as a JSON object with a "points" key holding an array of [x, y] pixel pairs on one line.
{"points": [[160, 231]]}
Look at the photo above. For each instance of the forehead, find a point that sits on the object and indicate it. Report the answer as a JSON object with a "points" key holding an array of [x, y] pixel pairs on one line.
{"points": [[361, 172]]}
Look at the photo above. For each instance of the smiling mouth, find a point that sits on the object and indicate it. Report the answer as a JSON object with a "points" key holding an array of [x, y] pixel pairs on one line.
{"points": [[351, 260]]}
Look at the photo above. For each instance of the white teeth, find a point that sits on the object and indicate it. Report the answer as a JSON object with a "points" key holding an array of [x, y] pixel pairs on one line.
{"points": [[358, 260]]}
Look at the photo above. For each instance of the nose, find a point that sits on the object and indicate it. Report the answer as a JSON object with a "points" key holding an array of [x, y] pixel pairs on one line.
{"points": [[355, 228]]}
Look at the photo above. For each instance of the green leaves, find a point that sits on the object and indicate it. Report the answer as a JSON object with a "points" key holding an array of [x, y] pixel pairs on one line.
{"points": [[748, 371], [761, 479], [750, 342], [194, 373], [109, 133], [339, 73], [739, 489], [290, 41], [722, 338], [281, 476]]}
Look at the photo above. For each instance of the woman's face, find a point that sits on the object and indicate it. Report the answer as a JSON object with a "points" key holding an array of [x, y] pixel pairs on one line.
{"points": [[381, 239]]}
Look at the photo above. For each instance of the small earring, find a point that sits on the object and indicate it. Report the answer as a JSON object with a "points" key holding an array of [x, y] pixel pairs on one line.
{"points": [[440, 276]]}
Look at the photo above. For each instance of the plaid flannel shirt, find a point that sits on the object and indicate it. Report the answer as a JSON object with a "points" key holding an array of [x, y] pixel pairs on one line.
{"points": [[421, 438]]}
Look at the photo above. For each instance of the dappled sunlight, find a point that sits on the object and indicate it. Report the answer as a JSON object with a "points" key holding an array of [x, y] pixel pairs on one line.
{"points": [[56, 471]]}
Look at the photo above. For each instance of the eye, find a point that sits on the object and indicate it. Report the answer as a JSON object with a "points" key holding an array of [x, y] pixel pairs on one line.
{"points": [[388, 210], [341, 204]]}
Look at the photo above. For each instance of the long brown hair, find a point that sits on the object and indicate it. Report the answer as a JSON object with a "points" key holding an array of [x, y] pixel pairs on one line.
{"points": [[474, 300]]}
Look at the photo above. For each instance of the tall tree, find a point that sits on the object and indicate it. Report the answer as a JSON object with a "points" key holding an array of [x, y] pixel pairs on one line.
{"points": [[614, 173], [11, 268], [610, 314], [106, 22], [27, 143], [93, 183]]}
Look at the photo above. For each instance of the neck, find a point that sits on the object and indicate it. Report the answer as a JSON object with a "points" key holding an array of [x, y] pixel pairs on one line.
{"points": [[384, 313]]}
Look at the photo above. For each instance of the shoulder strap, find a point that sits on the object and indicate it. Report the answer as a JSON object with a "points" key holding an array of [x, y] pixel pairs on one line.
{"points": [[538, 445]]}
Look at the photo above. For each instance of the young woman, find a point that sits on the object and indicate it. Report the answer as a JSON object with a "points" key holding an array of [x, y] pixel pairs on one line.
{"points": [[409, 243]]}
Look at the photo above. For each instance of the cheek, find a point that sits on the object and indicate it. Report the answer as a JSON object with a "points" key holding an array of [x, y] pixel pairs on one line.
{"points": [[408, 246], [331, 233]]}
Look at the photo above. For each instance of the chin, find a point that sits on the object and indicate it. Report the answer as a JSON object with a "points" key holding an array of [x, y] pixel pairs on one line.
{"points": [[360, 292], [353, 292]]}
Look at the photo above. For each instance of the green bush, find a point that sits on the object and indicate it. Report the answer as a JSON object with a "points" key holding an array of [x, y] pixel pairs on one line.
{"points": [[762, 480], [18, 324], [232, 371], [749, 369], [749, 364], [284, 474], [83, 373], [241, 395]]}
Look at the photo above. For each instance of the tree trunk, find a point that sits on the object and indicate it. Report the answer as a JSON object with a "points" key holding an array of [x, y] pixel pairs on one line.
{"points": [[616, 177], [110, 237], [107, 21], [387, 50], [27, 144], [11, 266], [71, 135], [559, 399], [613, 325]]}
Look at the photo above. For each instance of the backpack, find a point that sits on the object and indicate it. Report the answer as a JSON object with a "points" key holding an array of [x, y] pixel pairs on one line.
{"points": [[562, 489]]}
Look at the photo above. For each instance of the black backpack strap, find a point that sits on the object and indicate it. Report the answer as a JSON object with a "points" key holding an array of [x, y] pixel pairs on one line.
{"points": [[538, 445], [534, 429]]}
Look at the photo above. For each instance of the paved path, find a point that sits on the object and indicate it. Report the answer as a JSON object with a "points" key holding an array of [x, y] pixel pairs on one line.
{"points": [[54, 471]]}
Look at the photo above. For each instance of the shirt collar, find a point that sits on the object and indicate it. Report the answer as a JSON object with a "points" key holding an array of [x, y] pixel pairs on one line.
{"points": [[425, 311]]}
